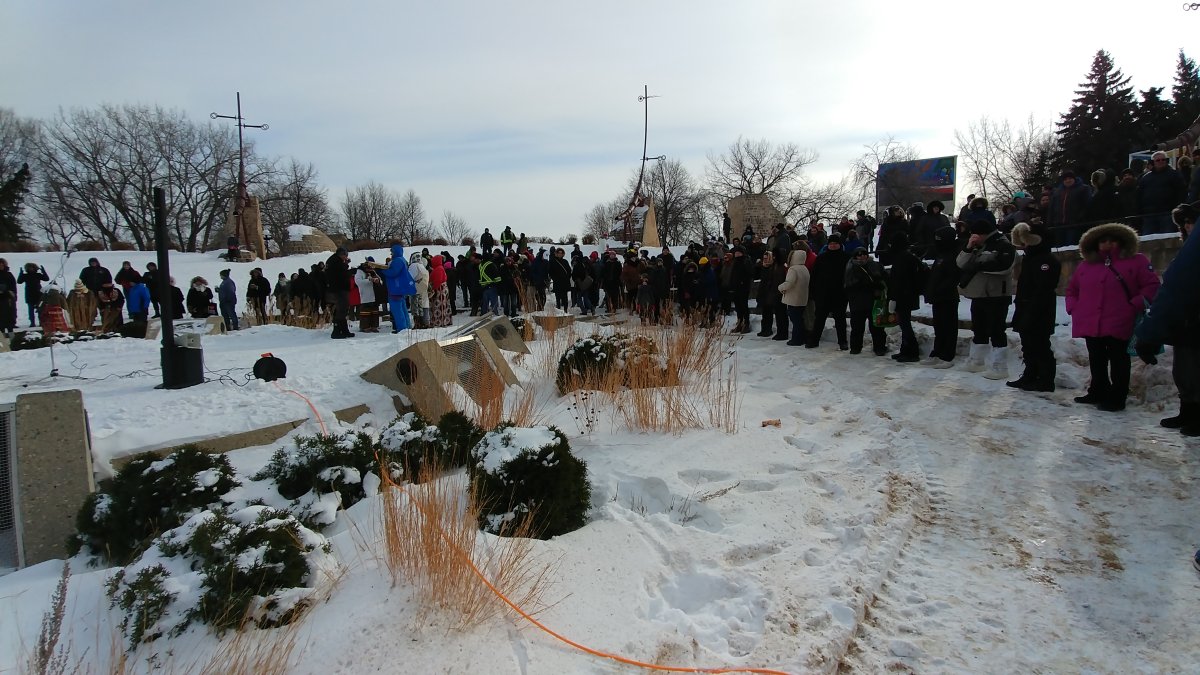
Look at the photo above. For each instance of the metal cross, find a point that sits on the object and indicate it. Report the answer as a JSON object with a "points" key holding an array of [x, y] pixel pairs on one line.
{"points": [[242, 195]]}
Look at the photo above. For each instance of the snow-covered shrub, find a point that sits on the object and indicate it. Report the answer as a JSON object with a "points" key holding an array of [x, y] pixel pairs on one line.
{"points": [[144, 598], [527, 480], [148, 496], [322, 464], [409, 441], [589, 360], [256, 566], [459, 434]]}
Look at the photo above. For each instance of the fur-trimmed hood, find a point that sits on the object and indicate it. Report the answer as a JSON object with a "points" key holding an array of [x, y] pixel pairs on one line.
{"points": [[1125, 236]]}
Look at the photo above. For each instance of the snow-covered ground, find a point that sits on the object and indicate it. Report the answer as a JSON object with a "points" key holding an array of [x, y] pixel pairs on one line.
{"points": [[901, 519]]}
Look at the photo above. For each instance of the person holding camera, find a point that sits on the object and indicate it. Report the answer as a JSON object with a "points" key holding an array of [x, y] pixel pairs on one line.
{"points": [[986, 262]]}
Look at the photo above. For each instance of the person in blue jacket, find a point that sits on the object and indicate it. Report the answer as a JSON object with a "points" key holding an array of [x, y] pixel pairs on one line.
{"points": [[1174, 319], [137, 302], [227, 300], [400, 285]]}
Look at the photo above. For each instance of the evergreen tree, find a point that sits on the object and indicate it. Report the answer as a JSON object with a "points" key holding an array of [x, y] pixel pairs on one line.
{"points": [[1185, 96], [1154, 118], [1098, 131], [12, 197]]}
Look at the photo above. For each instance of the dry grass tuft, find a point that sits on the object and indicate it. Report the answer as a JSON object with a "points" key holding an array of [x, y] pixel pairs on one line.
{"points": [[431, 540], [692, 384], [251, 651]]}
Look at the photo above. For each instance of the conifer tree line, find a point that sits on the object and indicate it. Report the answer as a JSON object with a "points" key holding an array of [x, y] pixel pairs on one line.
{"points": [[87, 175]]}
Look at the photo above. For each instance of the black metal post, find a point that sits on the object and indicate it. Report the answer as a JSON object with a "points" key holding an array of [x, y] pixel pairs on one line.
{"points": [[169, 362]]}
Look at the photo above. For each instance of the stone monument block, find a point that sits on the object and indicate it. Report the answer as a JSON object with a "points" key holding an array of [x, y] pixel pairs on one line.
{"points": [[53, 470], [757, 211]]}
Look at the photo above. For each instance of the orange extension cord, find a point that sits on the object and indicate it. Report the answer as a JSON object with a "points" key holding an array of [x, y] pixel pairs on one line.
{"points": [[312, 407], [387, 481]]}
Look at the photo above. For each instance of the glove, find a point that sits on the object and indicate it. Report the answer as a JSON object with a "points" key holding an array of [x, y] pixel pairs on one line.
{"points": [[1147, 352]]}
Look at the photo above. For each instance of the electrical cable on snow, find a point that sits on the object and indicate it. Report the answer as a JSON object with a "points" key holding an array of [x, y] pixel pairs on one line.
{"points": [[387, 481], [320, 421]]}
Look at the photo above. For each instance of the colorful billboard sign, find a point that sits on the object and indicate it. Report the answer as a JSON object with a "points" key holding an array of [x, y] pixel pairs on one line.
{"points": [[921, 180]]}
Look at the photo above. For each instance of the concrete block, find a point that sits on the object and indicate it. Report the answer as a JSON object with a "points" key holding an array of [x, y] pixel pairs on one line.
{"points": [[53, 468]]}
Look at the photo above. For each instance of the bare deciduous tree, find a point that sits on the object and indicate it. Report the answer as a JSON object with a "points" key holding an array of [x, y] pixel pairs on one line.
{"points": [[292, 195], [760, 167], [96, 172], [414, 226], [864, 171], [370, 211], [1000, 160], [827, 201], [454, 228], [674, 195], [600, 221]]}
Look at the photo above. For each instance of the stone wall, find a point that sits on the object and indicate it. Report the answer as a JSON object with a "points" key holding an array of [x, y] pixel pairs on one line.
{"points": [[757, 211], [1160, 252]]}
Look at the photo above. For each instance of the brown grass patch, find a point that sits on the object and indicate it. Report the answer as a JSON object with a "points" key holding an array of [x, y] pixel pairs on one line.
{"points": [[432, 541]]}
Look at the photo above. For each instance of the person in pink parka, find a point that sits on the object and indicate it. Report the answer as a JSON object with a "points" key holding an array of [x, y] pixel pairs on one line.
{"points": [[1110, 287]]}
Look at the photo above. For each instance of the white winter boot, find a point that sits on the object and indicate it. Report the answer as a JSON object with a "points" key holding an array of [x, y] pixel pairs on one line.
{"points": [[998, 366], [979, 354]]}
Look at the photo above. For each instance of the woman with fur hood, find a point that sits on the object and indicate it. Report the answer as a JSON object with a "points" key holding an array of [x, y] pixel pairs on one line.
{"points": [[1036, 305], [794, 295], [1111, 285]]}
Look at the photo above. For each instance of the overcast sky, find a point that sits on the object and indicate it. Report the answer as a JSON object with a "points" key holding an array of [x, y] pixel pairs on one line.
{"points": [[526, 113]]}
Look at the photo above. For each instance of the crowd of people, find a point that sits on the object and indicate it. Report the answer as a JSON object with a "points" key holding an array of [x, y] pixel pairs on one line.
{"points": [[862, 277]]}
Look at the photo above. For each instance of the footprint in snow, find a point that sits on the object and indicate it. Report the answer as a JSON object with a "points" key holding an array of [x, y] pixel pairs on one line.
{"points": [[804, 444]]}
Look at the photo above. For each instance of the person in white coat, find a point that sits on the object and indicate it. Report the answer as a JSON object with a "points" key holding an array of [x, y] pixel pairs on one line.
{"points": [[795, 294], [364, 279], [420, 277]]}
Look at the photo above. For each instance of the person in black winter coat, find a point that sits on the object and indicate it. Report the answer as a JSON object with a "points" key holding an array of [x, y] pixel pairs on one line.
{"points": [[933, 220], [127, 276], [771, 273], [337, 279], [894, 222], [176, 304], [95, 275], [1105, 205], [905, 283], [864, 281], [941, 292], [1036, 307], [827, 291], [150, 278], [559, 270], [258, 289], [32, 275], [741, 276], [199, 297], [8, 300]]}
